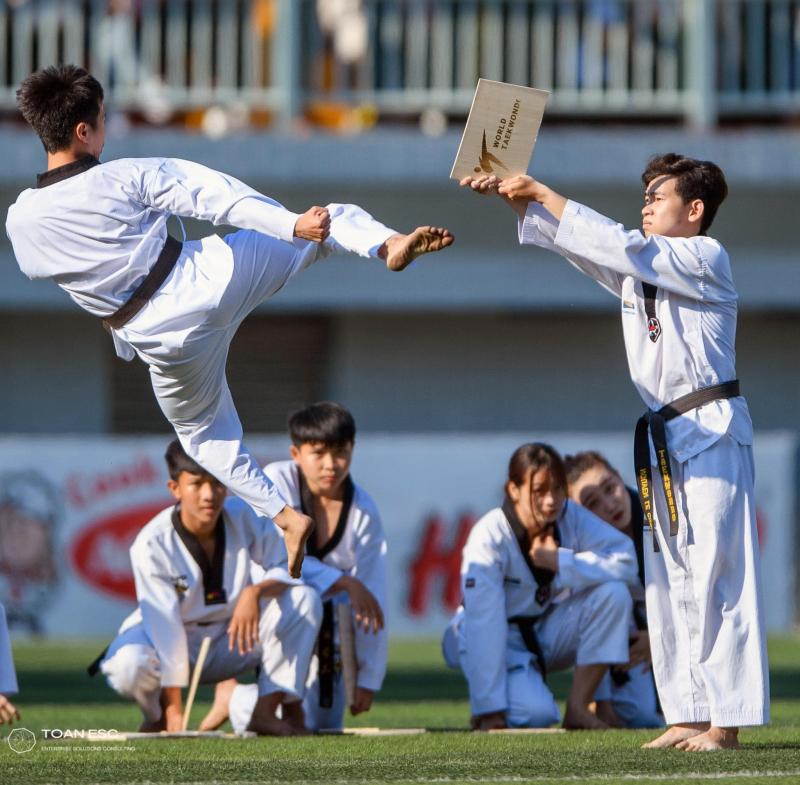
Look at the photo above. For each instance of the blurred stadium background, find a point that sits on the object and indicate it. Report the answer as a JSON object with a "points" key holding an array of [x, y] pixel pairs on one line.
{"points": [[447, 367]]}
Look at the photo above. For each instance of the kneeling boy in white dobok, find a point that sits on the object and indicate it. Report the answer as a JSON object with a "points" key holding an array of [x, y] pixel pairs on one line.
{"points": [[99, 230], [679, 308], [208, 567], [349, 542], [545, 586]]}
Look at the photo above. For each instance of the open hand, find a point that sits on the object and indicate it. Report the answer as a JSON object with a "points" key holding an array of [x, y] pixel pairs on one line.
{"points": [[313, 225], [366, 608], [484, 184], [8, 711], [639, 650], [243, 628]]}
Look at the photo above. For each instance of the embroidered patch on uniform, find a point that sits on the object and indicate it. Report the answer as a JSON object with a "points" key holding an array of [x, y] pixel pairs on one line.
{"points": [[180, 583], [653, 329], [628, 306], [469, 583], [514, 581]]}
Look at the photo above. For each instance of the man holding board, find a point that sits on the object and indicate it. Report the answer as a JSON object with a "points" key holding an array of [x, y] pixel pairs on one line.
{"points": [[696, 479]]}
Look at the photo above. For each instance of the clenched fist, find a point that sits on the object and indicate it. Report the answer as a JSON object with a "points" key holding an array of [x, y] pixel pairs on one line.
{"points": [[314, 225]]}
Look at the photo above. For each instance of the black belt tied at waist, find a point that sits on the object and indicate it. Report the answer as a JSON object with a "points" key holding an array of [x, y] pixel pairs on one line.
{"points": [[530, 639], [156, 275], [654, 423]]}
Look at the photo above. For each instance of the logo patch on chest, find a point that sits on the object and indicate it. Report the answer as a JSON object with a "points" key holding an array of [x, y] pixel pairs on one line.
{"points": [[628, 306]]}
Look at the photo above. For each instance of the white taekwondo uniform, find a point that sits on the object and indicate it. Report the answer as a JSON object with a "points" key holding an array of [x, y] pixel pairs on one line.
{"points": [[96, 229], [578, 616], [184, 597], [357, 548], [704, 603], [8, 676]]}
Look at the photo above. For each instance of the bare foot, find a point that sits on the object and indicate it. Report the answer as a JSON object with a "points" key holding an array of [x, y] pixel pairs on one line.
{"points": [[401, 249], [148, 726], [676, 734], [295, 536], [270, 726], [580, 718], [219, 709], [293, 714], [605, 713], [713, 739]]}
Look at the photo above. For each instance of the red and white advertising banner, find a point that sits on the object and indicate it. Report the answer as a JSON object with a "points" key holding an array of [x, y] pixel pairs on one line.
{"points": [[71, 506]]}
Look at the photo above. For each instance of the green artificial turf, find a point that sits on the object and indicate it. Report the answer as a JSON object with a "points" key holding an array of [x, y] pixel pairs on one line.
{"points": [[419, 692]]}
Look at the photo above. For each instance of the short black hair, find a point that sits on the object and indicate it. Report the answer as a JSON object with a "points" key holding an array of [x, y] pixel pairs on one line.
{"points": [[695, 179], [325, 422], [54, 100], [178, 461]]}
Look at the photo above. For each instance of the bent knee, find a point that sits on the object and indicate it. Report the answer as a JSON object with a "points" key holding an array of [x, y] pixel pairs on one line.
{"points": [[614, 594], [133, 669], [304, 601], [535, 715]]}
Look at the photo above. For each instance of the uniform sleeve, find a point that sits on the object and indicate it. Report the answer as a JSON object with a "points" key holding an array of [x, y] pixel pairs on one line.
{"points": [[694, 267], [372, 649], [485, 628], [8, 676], [161, 615], [601, 553], [191, 190], [319, 575], [540, 227]]}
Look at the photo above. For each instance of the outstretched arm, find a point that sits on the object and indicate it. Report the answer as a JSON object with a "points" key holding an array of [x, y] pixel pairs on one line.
{"points": [[190, 190]]}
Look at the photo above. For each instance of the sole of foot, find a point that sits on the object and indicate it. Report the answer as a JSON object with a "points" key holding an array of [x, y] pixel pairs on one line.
{"points": [[403, 249]]}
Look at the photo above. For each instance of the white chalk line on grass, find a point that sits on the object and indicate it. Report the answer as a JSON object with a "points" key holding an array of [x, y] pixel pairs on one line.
{"points": [[689, 775]]}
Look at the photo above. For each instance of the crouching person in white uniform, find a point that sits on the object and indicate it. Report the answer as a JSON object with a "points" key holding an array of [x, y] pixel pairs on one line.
{"points": [[349, 545], [207, 567], [627, 695], [545, 586]]}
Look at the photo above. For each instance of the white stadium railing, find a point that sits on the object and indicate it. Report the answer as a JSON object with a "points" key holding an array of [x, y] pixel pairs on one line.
{"points": [[693, 59]]}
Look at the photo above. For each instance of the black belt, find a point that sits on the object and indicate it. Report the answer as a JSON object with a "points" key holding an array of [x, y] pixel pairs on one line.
{"points": [[148, 287], [325, 656], [654, 423], [530, 639]]}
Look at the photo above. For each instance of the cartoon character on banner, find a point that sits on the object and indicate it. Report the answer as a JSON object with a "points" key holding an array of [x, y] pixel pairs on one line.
{"points": [[30, 509]]}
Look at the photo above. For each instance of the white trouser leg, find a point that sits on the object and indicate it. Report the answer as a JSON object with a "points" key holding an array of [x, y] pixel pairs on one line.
{"points": [[589, 628], [190, 382], [530, 702], [287, 633], [704, 596], [240, 708], [133, 670]]}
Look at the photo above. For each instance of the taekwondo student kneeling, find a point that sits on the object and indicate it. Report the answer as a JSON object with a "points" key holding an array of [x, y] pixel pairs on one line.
{"points": [[99, 230], [210, 567], [350, 543], [545, 588], [679, 309]]}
